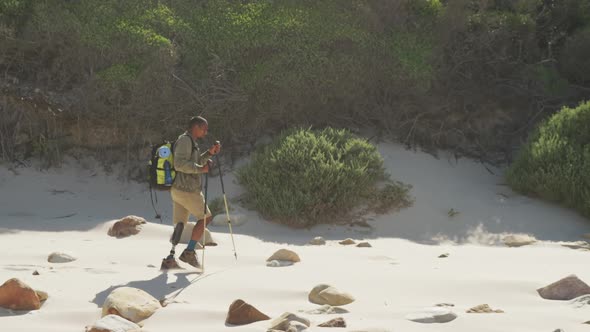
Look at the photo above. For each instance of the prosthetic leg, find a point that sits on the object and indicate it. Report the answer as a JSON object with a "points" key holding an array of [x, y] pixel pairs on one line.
{"points": [[169, 262]]}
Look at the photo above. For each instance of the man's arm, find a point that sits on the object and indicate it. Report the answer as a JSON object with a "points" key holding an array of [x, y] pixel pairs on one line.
{"points": [[182, 157]]}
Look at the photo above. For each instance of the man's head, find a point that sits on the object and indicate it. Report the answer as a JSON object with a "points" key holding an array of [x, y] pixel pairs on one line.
{"points": [[198, 127]]}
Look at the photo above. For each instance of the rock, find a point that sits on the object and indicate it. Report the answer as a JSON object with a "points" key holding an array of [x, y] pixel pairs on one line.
{"points": [[336, 322], [296, 327], [220, 220], [60, 257], [42, 295], [445, 255], [581, 301], [581, 245], [347, 242], [241, 313], [284, 255], [130, 303], [16, 295], [433, 315], [326, 294], [567, 288], [187, 232], [559, 330], [518, 240], [113, 323], [483, 309], [444, 305], [275, 263], [364, 245], [317, 241], [127, 226], [326, 309], [283, 322], [36, 273]]}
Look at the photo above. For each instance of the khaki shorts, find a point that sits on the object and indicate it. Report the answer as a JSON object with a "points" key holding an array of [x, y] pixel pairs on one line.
{"points": [[187, 203]]}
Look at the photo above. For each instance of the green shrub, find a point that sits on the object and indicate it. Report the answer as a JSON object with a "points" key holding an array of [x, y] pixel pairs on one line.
{"points": [[306, 177], [217, 206], [555, 163]]}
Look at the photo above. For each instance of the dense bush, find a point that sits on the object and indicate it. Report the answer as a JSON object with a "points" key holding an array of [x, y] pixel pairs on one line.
{"points": [[464, 74], [306, 177], [555, 163]]}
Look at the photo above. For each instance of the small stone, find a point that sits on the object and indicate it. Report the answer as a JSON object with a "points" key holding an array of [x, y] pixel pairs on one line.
{"points": [[275, 263], [113, 323], [326, 309], [60, 257], [336, 322], [36, 273], [567, 288], [444, 305], [445, 255], [347, 242], [126, 226], [16, 295], [296, 327], [518, 240], [318, 241], [283, 322], [433, 315], [326, 294], [364, 245], [241, 313], [130, 303], [483, 309], [285, 255], [151, 265]]}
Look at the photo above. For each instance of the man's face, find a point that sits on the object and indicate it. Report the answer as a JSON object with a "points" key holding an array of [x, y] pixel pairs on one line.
{"points": [[200, 131]]}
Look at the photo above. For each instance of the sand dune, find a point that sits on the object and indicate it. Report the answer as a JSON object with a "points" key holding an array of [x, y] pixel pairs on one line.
{"points": [[71, 209]]}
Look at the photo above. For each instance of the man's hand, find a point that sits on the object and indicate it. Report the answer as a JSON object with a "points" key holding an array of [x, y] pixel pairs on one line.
{"points": [[213, 150], [205, 168]]}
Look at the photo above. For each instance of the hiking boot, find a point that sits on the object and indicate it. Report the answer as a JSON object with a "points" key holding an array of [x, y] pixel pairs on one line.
{"points": [[190, 257], [169, 263]]}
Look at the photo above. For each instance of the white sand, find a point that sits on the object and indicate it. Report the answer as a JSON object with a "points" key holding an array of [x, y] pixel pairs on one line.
{"points": [[398, 276]]}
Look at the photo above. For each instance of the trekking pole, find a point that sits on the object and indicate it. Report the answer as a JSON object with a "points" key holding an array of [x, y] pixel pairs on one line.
{"points": [[205, 221], [226, 207]]}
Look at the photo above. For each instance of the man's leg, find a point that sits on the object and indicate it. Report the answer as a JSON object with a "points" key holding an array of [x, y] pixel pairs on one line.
{"points": [[195, 203], [179, 218]]}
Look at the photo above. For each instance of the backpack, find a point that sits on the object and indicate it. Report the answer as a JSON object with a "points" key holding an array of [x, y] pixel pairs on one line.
{"points": [[161, 173]]}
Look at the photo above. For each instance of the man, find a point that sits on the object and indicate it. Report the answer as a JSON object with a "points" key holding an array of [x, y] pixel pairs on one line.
{"points": [[187, 197]]}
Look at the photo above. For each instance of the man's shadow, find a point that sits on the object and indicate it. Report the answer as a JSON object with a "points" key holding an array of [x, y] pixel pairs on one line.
{"points": [[157, 287]]}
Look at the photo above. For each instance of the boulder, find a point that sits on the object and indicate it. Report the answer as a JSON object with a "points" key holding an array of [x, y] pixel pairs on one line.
{"points": [[113, 323], [60, 257], [130, 303], [326, 309], [317, 241], [241, 313], [364, 245], [336, 322], [432, 315], [483, 309], [283, 322], [567, 288], [127, 226], [518, 240], [347, 242], [220, 220], [16, 295], [284, 255], [326, 294]]}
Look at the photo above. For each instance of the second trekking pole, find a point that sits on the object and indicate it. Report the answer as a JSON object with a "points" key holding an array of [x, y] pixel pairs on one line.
{"points": [[204, 238], [226, 207]]}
